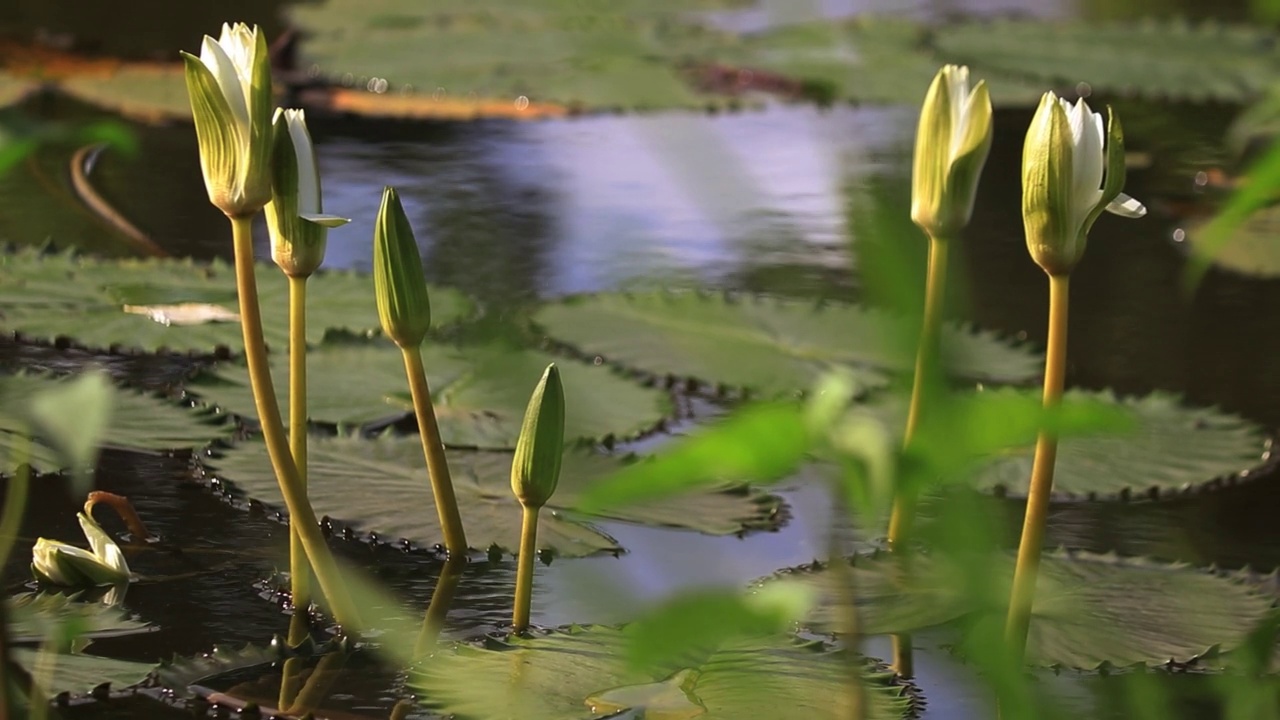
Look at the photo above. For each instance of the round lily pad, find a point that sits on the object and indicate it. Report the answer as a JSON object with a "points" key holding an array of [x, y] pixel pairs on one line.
{"points": [[139, 421], [1089, 609], [1173, 447], [768, 346], [480, 393], [576, 672], [178, 305], [381, 485]]}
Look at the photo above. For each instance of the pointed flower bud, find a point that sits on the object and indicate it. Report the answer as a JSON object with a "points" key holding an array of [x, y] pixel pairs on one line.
{"points": [[398, 282], [298, 227], [1071, 172], [535, 469], [952, 143], [61, 564], [230, 90]]}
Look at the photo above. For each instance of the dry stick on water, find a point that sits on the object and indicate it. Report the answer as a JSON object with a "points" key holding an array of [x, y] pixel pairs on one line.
{"points": [[1028, 566]]}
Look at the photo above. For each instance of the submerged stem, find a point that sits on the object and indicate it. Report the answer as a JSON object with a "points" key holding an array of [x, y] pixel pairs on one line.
{"points": [[299, 568], [455, 539], [301, 515], [524, 571], [1033, 526], [438, 609]]}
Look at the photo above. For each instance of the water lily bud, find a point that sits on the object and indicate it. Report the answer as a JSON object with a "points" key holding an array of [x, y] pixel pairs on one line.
{"points": [[535, 469], [952, 143], [298, 226], [398, 283], [230, 90], [61, 564], [1071, 172]]}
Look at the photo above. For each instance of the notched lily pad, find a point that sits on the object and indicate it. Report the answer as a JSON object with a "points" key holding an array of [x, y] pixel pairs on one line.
{"points": [[180, 673], [45, 296], [139, 421], [30, 615], [382, 485], [480, 393], [1089, 609], [769, 346], [575, 672], [79, 674], [1173, 448]]}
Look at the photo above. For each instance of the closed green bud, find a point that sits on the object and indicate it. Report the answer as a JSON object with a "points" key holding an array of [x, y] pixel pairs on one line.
{"points": [[952, 143], [1072, 171], [535, 469], [298, 227], [398, 282], [230, 91]]}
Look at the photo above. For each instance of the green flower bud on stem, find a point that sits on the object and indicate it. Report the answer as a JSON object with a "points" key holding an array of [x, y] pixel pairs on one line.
{"points": [[535, 469], [952, 144], [399, 285]]}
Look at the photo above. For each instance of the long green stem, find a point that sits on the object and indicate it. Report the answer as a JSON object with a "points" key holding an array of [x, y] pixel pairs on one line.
{"points": [[904, 500], [455, 539], [852, 703], [1033, 526], [524, 571], [15, 499], [438, 609], [299, 568], [301, 516]]}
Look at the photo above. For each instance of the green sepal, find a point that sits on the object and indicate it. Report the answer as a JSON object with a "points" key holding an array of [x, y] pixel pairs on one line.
{"points": [[216, 132], [257, 178], [966, 167], [1113, 181], [932, 152], [1047, 181], [399, 285], [535, 468]]}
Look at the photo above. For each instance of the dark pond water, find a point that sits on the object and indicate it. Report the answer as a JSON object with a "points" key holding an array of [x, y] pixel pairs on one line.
{"points": [[515, 213]]}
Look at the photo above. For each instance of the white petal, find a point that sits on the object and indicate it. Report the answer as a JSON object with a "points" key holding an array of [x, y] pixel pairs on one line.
{"points": [[1088, 163], [104, 548], [1125, 206], [44, 556], [329, 221], [308, 175], [224, 71]]}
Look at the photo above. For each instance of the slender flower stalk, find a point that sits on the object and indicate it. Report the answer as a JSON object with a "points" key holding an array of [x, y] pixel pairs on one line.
{"points": [[299, 231], [535, 472], [952, 144], [1068, 180], [405, 313]]}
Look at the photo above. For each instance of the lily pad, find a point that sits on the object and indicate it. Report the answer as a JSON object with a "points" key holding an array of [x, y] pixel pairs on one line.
{"points": [[769, 346], [382, 485], [1089, 609], [151, 92], [480, 393], [575, 672], [139, 421], [1253, 247], [1173, 448], [79, 674], [1230, 62], [14, 89], [180, 673], [46, 296], [31, 614]]}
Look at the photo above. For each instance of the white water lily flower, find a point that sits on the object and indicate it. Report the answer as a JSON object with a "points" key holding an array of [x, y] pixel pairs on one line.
{"points": [[952, 143], [230, 90], [298, 226], [61, 564], [1071, 172]]}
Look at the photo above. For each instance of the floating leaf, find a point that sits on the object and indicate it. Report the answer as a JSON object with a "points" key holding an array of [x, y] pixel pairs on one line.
{"points": [[1089, 609], [1229, 62], [140, 421], [30, 615], [1172, 447], [1251, 247], [382, 485], [180, 673], [46, 296], [151, 92], [576, 672], [477, 391], [771, 346], [79, 674], [14, 89]]}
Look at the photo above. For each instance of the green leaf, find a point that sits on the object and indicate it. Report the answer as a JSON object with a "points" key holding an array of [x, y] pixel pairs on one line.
{"points": [[71, 417], [756, 444], [80, 674], [47, 296], [1231, 63], [147, 92], [479, 393], [382, 485], [140, 422], [575, 673], [32, 615], [773, 347], [1089, 609], [1173, 448]]}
